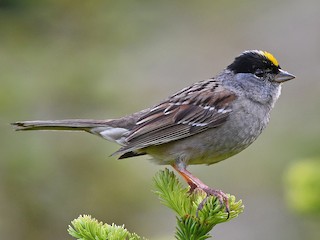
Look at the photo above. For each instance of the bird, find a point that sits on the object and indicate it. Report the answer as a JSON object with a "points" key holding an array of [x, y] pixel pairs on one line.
{"points": [[204, 123]]}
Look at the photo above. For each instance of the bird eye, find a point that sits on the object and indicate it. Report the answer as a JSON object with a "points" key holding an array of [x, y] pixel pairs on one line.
{"points": [[259, 73]]}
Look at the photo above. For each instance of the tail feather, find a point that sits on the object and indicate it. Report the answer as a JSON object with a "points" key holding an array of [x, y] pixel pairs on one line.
{"points": [[67, 124], [114, 130]]}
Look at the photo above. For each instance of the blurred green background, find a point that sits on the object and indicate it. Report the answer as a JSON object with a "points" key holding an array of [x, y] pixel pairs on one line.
{"points": [[103, 59]]}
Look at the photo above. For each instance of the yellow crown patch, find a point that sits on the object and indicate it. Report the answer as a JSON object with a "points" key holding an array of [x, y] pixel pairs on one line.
{"points": [[270, 57]]}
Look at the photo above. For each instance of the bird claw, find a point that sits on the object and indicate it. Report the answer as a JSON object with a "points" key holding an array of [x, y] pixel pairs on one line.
{"points": [[196, 183], [222, 197]]}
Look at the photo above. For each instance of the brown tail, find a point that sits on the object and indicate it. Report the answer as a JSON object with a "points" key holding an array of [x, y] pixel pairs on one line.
{"points": [[67, 124]]}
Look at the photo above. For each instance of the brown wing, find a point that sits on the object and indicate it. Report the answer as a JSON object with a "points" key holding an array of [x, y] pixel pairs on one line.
{"points": [[193, 110]]}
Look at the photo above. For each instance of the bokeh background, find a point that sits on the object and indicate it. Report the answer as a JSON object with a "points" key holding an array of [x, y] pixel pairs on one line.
{"points": [[103, 59]]}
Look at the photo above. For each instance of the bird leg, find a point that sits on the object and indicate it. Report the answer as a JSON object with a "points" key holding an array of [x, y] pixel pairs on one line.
{"points": [[195, 182]]}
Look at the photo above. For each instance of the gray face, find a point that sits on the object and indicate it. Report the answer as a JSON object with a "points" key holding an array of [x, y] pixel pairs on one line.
{"points": [[262, 90]]}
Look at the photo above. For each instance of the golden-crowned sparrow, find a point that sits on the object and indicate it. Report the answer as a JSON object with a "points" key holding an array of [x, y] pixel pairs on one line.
{"points": [[204, 123]]}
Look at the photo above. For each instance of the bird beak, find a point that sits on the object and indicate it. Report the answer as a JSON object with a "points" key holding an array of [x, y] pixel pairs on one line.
{"points": [[283, 76]]}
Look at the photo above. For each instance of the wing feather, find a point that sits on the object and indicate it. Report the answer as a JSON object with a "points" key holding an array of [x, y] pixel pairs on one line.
{"points": [[188, 112]]}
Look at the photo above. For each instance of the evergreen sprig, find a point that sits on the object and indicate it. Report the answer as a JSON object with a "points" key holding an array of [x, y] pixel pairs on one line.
{"points": [[87, 228], [193, 222]]}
